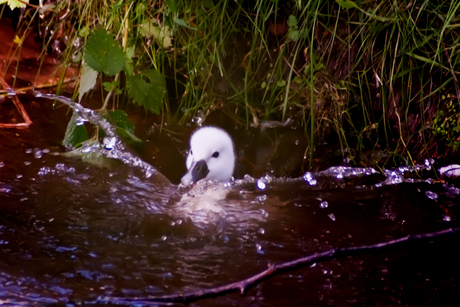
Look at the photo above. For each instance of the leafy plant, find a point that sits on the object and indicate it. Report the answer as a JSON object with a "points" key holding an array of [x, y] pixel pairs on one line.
{"points": [[447, 124], [367, 74], [103, 55], [15, 3]]}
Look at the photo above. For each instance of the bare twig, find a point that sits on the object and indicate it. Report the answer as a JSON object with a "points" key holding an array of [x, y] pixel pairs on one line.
{"points": [[273, 269], [27, 121]]}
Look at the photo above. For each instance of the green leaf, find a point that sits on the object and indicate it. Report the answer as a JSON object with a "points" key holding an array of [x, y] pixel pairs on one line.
{"points": [[130, 52], [103, 53], [281, 83], [172, 5], [77, 57], [140, 8], [148, 93], [46, 8], [182, 23], [89, 153], [306, 70], [87, 81], [75, 133], [292, 21], [297, 80], [112, 86], [147, 28], [347, 4], [161, 35], [424, 59], [129, 67], [84, 32], [293, 35], [15, 3], [208, 4], [125, 128]]}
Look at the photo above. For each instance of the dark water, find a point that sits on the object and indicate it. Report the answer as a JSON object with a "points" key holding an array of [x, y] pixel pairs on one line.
{"points": [[71, 233]]}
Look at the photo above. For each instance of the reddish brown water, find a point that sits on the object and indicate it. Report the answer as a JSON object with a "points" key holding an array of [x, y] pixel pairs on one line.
{"points": [[71, 232]]}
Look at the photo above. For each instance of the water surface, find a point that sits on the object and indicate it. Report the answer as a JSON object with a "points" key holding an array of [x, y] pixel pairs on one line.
{"points": [[71, 232]]}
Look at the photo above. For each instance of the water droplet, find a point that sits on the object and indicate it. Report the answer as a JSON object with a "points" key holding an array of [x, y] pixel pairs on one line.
{"points": [[262, 198], [296, 142], [309, 178], [197, 120], [86, 149], [28, 150], [27, 163], [110, 142], [261, 185], [79, 121], [264, 213], [431, 195], [164, 238], [446, 218], [268, 178], [2, 164], [429, 163], [332, 216], [149, 172], [248, 179], [261, 231], [60, 166], [10, 92], [259, 249], [323, 204], [37, 153]]}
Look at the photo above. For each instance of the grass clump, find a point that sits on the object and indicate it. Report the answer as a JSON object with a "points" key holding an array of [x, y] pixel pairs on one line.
{"points": [[367, 75]]}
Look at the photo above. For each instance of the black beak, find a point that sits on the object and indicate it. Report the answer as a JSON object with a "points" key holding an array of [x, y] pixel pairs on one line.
{"points": [[199, 170]]}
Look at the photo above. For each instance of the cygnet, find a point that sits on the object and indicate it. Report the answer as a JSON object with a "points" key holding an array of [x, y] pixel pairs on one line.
{"points": [[211, 156]]}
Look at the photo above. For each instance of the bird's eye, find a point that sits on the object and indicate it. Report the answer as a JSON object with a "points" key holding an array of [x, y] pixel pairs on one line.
{"points": [[215, 154]]}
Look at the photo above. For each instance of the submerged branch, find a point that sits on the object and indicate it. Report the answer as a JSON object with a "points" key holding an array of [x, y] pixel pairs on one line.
{"points": [[273, 269], [12, 94]]}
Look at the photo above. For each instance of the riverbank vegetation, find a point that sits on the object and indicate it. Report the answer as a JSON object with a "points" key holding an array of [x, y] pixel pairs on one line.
{"points": [[376, 78]]}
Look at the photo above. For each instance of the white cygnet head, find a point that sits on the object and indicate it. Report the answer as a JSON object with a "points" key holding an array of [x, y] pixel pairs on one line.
{"points": [[211, 156]]}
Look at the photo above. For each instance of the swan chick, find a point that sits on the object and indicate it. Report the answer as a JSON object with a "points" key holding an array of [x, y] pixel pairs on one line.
{"points": [[211, 156]]}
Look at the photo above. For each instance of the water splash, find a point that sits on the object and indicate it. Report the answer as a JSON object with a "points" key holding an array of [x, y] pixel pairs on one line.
{"points": [[390, 176], [431, 195], [112, 147], [261, 185], [308, 177]]}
